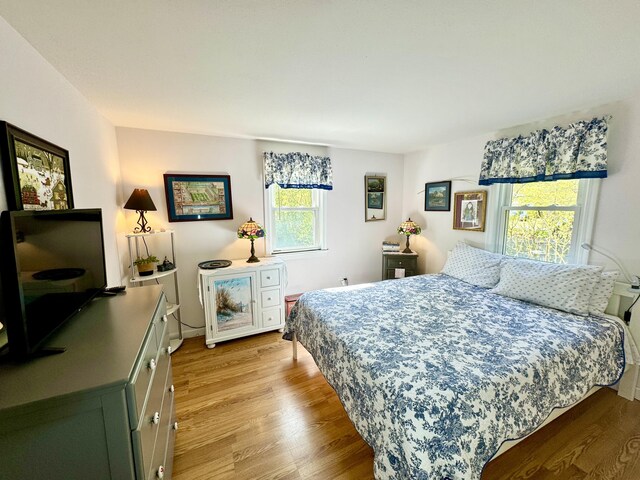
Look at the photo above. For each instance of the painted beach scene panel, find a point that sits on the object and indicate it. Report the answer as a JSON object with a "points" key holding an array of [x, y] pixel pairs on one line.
{"points": [[233, 303]]}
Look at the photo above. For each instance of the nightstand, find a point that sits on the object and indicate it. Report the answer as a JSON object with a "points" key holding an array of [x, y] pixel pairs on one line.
{"points": [[396, 261]]}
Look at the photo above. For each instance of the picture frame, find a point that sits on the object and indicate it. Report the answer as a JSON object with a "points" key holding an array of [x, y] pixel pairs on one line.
{"points": [[469, 211], [37, 175], [437, 197], [195, 197], [375, 198]]}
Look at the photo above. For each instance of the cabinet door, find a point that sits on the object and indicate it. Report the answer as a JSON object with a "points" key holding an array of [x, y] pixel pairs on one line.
{"points": [[232, 299]]}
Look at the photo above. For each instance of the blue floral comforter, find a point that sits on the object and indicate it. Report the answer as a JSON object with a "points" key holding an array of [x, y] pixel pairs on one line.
{"points": [[436, 373]]}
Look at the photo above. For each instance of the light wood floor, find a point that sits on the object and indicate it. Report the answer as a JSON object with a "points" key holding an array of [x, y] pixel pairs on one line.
{"points": [[248, 411]]}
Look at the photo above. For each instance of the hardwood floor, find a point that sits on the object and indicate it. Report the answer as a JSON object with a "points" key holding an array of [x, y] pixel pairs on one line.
{"points": [[247, 411]]}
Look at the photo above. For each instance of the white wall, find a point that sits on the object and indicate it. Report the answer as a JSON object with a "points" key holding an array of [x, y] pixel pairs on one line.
{"points": [[616, 229], [354, 246], [38, 99]]}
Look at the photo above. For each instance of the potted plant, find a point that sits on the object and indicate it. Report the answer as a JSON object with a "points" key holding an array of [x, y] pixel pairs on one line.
{"points": [[146, 265]]}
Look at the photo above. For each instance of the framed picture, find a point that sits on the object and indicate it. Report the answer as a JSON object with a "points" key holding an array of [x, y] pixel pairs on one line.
{"points": [[437, 196], [36, 173], [469, 210], [375, 207], [192, 197]]}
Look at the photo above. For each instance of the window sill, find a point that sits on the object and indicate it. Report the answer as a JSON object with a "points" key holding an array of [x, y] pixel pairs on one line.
{"points": [[301, 254]]}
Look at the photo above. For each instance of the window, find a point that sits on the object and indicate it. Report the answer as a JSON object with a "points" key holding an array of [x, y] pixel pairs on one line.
{"points": [[546, 221], [295, 219]]}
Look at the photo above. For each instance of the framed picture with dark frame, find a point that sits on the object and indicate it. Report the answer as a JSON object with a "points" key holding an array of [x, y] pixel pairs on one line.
{"points": [[193, 197], [36, 172], [437, 196], [469, 210], [375, 189]]}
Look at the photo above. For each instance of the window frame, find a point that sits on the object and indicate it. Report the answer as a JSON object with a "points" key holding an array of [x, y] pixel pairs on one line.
{"points": [[318, 196], [584, 219]]}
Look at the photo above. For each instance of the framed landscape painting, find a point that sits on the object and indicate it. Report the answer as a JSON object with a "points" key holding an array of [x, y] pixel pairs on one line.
{"points": [[437, 196], [36, 172], [192, 197], [469, 210]]}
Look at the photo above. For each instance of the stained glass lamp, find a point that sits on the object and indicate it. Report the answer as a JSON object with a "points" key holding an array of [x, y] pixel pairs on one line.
{"points": [[409, 228], [251, 230], [141, 202]]}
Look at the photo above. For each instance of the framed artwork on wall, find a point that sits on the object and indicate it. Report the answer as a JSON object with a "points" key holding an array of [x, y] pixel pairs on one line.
{"points": [[193, 197], [469, 209], [437, 196], [375, 189], [36, 172]]}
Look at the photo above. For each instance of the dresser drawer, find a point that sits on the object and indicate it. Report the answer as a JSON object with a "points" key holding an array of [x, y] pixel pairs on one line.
{"points": [[269, 278], [272, 317], [270, 298], [142, 376], [401, 262]]}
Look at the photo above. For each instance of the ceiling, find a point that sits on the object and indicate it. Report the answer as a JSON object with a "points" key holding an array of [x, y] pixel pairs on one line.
{"points": [[391, 76]]}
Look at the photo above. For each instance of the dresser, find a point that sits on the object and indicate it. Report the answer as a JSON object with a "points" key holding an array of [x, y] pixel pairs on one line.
{"points": [[103, 409], [242, 299], [398, 265]]}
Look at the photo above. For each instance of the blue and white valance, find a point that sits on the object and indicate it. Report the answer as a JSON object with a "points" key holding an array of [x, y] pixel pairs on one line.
{"points": [[297, 170], [578, 151]]}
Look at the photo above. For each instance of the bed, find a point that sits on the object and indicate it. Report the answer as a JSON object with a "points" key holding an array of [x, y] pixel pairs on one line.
{"points": [[437, 373]]}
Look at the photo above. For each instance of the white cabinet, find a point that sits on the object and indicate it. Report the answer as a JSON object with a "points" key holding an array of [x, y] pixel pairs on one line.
{"points": [[161, 244], [242, 299]]}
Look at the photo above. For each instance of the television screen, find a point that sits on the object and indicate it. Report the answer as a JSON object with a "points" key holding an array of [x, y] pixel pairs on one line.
{"points": [[53, 266]]}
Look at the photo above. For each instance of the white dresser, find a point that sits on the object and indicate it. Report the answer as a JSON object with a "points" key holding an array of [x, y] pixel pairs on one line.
{"points": [[242, 299]]}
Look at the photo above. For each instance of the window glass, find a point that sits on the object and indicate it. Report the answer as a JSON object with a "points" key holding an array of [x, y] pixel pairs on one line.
{"points": [[541, 194], [296, 219]]}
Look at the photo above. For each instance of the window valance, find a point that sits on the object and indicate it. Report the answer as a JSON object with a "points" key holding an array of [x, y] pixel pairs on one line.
{"points": [[578, 151], [297, 170]]}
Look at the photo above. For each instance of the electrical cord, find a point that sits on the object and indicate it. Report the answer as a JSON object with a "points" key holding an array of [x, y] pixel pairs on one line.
{"points": [[627, 312]]}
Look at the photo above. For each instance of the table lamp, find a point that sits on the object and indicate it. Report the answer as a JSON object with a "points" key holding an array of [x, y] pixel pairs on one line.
{"points": [[409, 228], [251, 230], [141, 202]]}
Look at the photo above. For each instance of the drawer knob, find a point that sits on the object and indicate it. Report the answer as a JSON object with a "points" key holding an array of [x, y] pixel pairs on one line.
{"points": [[268, 298], [152, 364], [172, 388], [164, 318], [160, 472], [175, 425], [156, 418]]}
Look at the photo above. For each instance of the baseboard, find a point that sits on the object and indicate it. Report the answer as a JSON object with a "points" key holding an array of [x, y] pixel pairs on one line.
{"points": [[193, 332]]}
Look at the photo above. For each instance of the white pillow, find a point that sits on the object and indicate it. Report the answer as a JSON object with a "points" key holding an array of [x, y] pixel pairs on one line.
{"points": [[473, 265], [602, 292], [563, 287]]}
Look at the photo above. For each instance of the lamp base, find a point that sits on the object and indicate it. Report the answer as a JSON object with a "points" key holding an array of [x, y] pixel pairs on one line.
{"points": [[253, 258], [407, 249]]}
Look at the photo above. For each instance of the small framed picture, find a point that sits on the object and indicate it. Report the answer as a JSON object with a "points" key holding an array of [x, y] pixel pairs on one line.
{"points": [[437, 196], [36, 172], [469, 209], [193, 197], [375, 189]]}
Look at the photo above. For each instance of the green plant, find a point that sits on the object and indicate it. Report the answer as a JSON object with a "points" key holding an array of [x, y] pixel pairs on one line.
{"points": [[145, 260]]}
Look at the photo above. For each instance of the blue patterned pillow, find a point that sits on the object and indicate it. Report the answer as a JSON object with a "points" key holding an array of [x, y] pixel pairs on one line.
{"points": [[473, 265], [564, 287]]}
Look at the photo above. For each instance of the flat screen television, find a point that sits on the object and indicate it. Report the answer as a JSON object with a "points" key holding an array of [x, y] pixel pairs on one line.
{"points": [[52, 264]]}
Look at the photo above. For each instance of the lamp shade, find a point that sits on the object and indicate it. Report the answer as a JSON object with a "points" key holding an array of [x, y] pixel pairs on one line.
{"points": [[140, 200], [409, 228], [250, 230]]}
